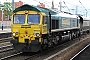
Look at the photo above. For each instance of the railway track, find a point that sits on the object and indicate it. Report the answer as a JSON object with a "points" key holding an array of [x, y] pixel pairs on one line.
{"points": [[6, 48], [5, 39], [40, 55], [5, 35], [10, 56], [20, 56], [67, 54], [28, 56]]}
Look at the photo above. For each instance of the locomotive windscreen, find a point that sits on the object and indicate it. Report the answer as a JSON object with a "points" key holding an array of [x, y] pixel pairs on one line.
{"points": [[19, 19], [33, 19]]}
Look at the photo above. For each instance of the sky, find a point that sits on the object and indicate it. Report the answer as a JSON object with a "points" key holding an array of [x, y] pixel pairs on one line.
{"points": [[67, 5]]}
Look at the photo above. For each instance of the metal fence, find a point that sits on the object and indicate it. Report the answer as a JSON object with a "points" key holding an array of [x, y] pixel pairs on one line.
{"points": [[6, 24]]}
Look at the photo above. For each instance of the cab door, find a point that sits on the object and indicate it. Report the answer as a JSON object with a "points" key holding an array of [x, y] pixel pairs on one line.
{"points": [[45, 25]]}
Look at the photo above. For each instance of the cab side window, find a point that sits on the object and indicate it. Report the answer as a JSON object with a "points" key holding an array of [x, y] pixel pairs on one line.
{"points": [[45, 19]]}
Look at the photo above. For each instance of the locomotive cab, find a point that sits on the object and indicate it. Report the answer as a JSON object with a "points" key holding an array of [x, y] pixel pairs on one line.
{"points": [[27, 29]]}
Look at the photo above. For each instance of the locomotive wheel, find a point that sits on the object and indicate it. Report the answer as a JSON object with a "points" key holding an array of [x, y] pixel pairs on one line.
{"points": [[57, 38], [70, 37]]}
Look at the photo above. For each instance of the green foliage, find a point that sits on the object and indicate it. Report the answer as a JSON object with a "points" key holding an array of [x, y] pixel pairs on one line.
{"points": [[0, 6], [7, 8]]}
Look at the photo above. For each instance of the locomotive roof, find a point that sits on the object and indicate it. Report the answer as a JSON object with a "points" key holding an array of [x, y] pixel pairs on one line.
{"points": [[86, 18], [45, 10], [34, 8], [65, 15]]}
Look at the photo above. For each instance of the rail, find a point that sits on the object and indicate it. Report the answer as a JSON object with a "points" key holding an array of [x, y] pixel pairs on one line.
{"points": [[10, 56], [80, 52]]}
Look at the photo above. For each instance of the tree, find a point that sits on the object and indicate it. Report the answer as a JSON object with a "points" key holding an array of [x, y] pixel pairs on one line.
{"points": [[0, 6], [7, 8]]}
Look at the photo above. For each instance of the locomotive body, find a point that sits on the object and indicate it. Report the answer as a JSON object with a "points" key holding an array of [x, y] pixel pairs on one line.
{"points": [[86, 25], [35, 28]]}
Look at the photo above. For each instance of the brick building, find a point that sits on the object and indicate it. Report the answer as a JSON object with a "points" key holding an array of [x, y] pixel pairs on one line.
{"points": [[41, 5], [6, 21], [18, 4]]}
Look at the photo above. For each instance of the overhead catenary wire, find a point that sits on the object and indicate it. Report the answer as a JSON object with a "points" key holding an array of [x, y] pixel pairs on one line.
{"points": [[77, 8], [83, 7], [66, 6]]}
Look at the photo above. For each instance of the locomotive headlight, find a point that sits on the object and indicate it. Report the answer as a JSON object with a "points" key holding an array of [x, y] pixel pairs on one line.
{"points": [[37, 34], [14, 34]]}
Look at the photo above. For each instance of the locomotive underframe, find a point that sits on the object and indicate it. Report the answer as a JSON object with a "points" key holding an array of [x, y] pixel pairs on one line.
{"points": [[34, 46], [48, 40]]}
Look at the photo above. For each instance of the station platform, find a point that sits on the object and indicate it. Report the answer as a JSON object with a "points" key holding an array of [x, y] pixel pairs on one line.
{"points": [[5, 30], [84, 55]]}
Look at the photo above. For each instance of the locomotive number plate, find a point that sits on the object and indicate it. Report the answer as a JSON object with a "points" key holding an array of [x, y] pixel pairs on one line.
{"points": [[25, 26]]}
